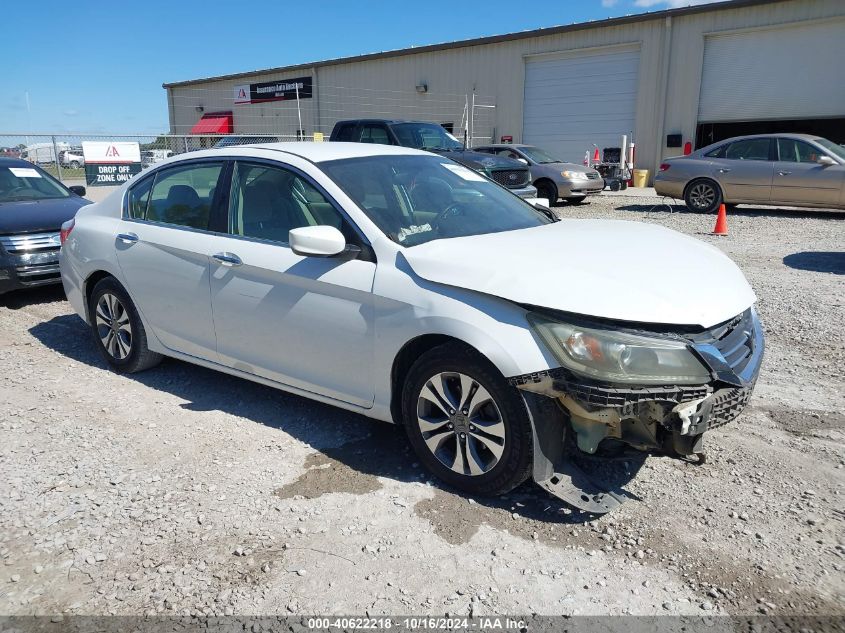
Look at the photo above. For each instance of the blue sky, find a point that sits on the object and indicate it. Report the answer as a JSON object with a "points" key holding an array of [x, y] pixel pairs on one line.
{"points": [[93, 67]]}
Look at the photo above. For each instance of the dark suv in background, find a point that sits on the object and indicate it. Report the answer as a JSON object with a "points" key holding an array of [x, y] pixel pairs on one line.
{"points": [[432, 137]]}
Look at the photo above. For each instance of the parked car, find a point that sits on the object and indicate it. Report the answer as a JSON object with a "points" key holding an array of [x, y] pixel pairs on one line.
{"points": [[406, 287], [33, 206], [553, 178], [796, 170], [73, 158], [153, 156], [434, 138]]}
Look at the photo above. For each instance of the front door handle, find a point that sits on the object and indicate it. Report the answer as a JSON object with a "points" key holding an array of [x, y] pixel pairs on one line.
{"points": [[724, 170], [227, 259], [784, 173], [127, 238]]}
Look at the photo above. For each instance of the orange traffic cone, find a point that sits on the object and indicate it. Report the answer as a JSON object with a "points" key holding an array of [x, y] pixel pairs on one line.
{"points": [[596, 158], [721, 227]]}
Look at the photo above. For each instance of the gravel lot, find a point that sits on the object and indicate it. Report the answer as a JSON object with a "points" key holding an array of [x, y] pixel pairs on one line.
{"points": [[181, 490]]}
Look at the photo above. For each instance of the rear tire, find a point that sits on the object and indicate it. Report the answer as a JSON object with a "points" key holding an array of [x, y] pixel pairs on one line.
{"points": [[465, 422], [117, 329], [703, 196]]}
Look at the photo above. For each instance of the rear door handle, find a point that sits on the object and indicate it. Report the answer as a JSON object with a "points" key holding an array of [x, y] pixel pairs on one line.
{"points": [[227, 259], [723, 170], [784, 173], [127, 238]]}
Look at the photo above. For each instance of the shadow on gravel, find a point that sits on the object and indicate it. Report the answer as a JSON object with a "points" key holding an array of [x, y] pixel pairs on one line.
{"points": [[670, 205], [354, 451], [817, 261], [18, 299]]}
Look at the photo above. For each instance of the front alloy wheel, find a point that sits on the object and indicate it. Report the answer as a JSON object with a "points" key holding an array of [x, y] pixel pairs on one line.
{"points": [[460, 423], [466, 423], [113, 326]]}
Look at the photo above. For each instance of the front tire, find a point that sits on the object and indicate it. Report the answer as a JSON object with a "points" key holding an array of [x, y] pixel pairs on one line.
{"points": [[118, 332], [703, 196], [547, 190], [465, 422]]}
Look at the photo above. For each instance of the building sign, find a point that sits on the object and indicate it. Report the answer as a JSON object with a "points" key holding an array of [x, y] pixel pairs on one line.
{"points": [[283, 90], [110, 164]]}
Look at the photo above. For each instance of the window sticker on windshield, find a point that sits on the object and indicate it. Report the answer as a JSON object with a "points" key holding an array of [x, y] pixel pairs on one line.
{"points": [[25, 172], [463, 172], [404, 232]]}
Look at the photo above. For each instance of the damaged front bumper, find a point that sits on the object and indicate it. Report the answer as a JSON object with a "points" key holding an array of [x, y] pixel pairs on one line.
{"points": [[601, 418]]}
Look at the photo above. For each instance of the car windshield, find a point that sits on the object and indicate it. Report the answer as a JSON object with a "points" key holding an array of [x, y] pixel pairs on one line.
{"points": [[425, 136], [539, 156], [417, 199], [833, 148], [28, 183]]}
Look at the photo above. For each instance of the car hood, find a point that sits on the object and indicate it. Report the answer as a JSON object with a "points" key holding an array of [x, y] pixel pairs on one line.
{"points": [[480, 160], [33, 216], [628, 271]]}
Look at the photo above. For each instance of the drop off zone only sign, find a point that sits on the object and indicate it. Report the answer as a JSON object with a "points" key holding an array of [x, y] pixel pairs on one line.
{"points": [[110, 164]]}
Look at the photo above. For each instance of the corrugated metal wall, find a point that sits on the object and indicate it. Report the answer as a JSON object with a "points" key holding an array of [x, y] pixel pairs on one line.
{"points": [[667, 99]]}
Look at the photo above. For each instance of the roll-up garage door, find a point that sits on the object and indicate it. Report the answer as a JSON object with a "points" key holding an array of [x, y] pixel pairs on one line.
{"points": [[793, 72], [576, 100]]}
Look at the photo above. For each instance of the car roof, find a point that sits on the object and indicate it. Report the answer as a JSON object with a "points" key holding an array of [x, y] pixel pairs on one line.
{"points": [[8, 161], [504, 145], [804, 137], [314, 152]]}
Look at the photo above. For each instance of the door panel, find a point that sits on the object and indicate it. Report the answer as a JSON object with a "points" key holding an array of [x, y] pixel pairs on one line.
{"points": [[745, 171], [799, 179], [168, 279], [302, 321], [162, 254]]}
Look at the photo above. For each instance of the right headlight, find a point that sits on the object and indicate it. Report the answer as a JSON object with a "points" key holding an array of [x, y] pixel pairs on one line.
{"points": [[614, 356], [574, 175]]}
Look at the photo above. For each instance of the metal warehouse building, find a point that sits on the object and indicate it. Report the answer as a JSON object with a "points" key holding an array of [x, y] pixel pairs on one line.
{"points": [[696, 74]]}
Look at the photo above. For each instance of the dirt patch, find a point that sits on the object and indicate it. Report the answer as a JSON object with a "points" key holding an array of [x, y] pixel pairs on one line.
{"points": [[354, 467], [803, 421]]}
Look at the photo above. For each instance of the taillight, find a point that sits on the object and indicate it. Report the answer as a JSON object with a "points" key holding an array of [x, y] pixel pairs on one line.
{"points": [[64, 232], [664, 166]]}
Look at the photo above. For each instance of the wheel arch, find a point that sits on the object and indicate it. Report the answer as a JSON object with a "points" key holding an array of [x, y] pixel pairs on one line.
{"points": [[545, 180], [88, 286]]}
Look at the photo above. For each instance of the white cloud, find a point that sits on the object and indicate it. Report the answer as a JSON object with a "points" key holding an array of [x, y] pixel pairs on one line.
{"points": [[70, 112], [608, 3], [671, 4]]}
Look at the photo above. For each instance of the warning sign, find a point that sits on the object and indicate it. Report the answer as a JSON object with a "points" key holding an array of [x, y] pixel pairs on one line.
{"points": [[110, 164]]}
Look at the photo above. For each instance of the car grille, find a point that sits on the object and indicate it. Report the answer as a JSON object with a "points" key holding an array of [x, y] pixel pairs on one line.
{"points": [[735, 341], [593, 175], [727, 405], [511, 178], [29, 243], [38, 273]]}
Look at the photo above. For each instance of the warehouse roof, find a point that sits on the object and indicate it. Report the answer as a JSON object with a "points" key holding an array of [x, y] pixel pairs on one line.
{"points": [[492, 39]]}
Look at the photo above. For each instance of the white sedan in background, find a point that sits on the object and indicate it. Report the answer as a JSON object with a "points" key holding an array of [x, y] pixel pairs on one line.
{"points": [[406, 287]]}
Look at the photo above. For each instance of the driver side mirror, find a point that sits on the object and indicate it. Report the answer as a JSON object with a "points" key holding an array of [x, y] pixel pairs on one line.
{"points": [[317, 241], [79, 190], [522, 160], [826, 161]]}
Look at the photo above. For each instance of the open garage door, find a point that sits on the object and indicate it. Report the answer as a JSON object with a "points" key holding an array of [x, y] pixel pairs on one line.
{"points": [[578, 99], [768, 80]]}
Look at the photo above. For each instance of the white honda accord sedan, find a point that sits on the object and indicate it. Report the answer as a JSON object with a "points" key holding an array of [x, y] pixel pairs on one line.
{"points": [[401, 285]]}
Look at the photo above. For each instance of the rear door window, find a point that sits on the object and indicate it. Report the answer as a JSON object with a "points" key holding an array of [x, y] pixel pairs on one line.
{"points": [[749, 149], [183, 195], [375, 134], [346, 133]]}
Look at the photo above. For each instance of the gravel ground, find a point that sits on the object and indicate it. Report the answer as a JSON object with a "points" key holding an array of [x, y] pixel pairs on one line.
{"points": [[181, 490]]}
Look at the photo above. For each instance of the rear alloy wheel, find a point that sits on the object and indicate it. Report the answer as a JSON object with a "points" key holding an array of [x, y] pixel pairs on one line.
{"points": [[118, 332], [465, 422], [703, 196]]}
